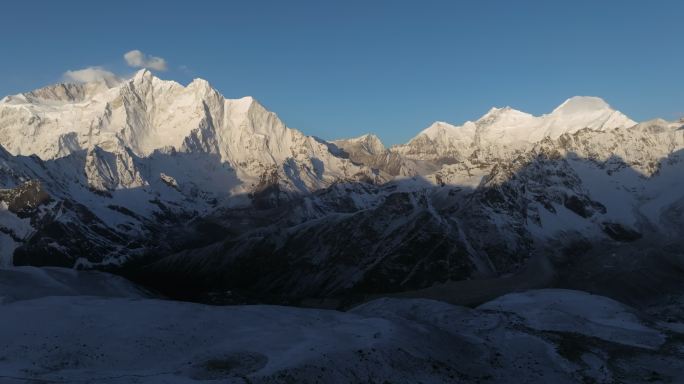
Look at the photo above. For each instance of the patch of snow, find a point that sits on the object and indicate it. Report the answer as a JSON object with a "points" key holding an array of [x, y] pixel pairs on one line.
{"points": [[578, 312]]}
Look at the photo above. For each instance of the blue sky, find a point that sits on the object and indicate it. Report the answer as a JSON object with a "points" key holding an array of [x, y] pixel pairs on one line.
{"points": [[340, 69]]}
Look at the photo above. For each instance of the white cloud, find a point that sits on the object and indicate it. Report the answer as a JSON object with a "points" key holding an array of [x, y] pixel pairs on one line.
{"points": [[137, 59], [91, 74]]}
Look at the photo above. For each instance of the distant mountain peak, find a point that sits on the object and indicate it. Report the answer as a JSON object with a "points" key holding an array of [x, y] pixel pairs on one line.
{"points": [[507, 127], [368, 142], [504, 116], [498, 110], [200, 83], [581, 104], [146, 115]]}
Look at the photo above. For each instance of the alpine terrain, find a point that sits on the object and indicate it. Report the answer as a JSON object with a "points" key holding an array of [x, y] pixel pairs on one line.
{"points": [[545, 247]]}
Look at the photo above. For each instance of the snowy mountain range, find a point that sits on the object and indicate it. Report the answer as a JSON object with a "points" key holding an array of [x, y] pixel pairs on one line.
{"points": [[183, 189], [427, 246]]}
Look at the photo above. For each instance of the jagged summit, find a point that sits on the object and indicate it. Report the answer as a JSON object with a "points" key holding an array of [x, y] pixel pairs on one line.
{"points": [[504, 117], [143, 73], [368, 142], [143, 113], [146, 114]]}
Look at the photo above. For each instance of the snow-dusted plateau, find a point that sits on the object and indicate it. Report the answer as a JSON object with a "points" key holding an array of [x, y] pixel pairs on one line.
{"points": [[514, 248]]}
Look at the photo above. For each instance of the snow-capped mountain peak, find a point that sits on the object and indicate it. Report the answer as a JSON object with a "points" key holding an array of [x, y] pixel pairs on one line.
{"points": [[368, 142], [143, 73], [581, 104], [582, 112], [502, 128], [504, 118], [145, 114], [496, 112]]}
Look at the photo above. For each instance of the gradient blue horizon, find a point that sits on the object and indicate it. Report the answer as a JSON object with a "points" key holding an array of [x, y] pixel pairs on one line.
{"points": [[346, 68]]}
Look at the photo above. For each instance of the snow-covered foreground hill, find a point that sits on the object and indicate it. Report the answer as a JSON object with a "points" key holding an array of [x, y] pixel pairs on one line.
{"points": [[114, 333]]}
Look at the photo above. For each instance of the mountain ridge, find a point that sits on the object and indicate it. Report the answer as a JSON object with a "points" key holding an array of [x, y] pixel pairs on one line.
{"points": [[510, 129], [146, 114], [172, 183], [512, 117]]}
